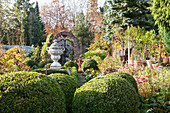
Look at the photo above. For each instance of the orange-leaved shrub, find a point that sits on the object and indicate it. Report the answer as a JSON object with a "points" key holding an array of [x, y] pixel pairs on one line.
{"points": [[12, 60]]}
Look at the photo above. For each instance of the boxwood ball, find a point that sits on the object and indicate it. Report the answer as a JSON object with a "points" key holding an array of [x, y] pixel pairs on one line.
{"points": [[126, 76], [89, 63], [106, 95], [30, 92]]}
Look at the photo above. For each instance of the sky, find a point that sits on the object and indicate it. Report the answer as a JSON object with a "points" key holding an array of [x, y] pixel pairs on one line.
{"points": [[42, 2]]}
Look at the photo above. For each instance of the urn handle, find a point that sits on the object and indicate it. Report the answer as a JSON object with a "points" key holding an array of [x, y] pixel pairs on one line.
{"points": [[63, 49], [47, 49]]}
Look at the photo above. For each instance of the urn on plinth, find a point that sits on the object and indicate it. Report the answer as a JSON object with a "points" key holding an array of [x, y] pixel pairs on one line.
{"points": [[55, 50]]}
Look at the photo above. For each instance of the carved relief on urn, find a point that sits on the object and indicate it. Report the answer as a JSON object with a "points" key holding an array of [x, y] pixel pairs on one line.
{"points": [[55, 50]]}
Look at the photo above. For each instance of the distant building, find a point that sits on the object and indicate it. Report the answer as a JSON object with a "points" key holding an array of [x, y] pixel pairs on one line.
{"points": [[28, 49]]}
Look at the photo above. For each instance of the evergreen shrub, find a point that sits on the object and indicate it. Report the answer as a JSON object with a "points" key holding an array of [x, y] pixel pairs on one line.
{"points": [[30, 92], [41, 64], [49, 61], [100, 53], [126, 76], [50, 71], [68, 85], [89, 63], [74, 72], [70, 64], [106, 95], [31, 63]]}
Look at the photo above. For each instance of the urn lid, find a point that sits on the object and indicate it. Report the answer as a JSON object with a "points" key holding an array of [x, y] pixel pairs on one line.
{"points": [[55, 45]]}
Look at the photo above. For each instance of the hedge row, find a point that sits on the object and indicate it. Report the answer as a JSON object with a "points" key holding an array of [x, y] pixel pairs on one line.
{"points": [[36, 92], [50, 71], [68, 85]]}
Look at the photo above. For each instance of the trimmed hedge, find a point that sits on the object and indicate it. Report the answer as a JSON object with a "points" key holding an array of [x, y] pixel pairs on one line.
{"points": [[50, 71], [74, 72], [31, 63], [68, 85], [30, 92], [106, 95], [41, 64], [89, 63], [126, 76], [49, 61], [70, 64]]}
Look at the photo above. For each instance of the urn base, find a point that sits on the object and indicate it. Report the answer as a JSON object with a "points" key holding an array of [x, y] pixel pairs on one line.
{"points": [[55, 66]]}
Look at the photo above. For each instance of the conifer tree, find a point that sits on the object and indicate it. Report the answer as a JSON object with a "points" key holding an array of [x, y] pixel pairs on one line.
{"points": [[36, 28], [40, 24], [160, 9], [124, 13], [20, 24], [5, 20], [21, 8], [81, 30]]}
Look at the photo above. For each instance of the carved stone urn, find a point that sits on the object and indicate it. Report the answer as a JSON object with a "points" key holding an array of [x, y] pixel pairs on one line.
{"points": [[55, 50]]}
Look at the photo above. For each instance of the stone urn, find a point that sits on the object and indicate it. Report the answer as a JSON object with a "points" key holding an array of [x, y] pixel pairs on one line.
{"points": [[149, 63], [55, 50]]}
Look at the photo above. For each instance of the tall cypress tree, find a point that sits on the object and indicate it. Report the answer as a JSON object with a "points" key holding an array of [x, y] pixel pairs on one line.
{"points": [[21, 8], [40, 26], [25, 22], [36, 28]]}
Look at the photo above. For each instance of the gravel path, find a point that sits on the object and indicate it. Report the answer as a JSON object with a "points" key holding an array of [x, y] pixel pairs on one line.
{"points": [[81, 79]]}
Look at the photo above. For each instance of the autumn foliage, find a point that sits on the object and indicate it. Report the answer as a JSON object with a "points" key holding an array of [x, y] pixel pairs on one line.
{"points": [[55, 17], [12, 60], [94, 16]]}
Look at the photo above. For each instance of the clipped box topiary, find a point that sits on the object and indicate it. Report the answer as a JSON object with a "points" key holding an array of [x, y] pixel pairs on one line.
{"points": [[68, 85], [89, 63], [49, 61], [49, 71], [30, 92], [31, 63], [70, 64], [106, 95], [74, 72], [126, 76], [41, 64]]}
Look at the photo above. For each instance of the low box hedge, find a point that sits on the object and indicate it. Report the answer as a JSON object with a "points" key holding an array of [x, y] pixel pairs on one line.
{"points": [[68, 85], [49, 71]]}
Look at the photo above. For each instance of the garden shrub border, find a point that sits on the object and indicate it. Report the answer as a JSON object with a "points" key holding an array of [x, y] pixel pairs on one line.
{"points": [[50, 71], [68, 85]]}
